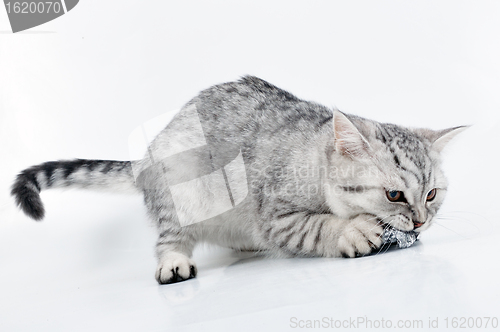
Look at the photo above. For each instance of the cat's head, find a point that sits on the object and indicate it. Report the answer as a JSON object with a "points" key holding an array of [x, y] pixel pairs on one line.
{"points": [[388, 171]]}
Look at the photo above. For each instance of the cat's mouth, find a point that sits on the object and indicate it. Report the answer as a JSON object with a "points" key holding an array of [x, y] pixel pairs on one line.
{"points": [[399, 222], [403, 223]]}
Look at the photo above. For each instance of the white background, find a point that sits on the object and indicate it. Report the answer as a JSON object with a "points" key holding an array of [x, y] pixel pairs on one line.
{"points": [[79, 85]]}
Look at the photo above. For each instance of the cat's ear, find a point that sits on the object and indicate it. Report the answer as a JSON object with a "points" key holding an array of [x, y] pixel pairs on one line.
{"points": [[440, 138], [348, 140], [445, 136]]}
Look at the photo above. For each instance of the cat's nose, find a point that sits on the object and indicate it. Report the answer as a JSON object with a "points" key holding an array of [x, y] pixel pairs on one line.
{"points": [[417, 224]]}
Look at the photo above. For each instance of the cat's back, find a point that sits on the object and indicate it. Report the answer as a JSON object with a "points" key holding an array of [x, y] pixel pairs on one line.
{"points": [[252, 104], [250, 113]]}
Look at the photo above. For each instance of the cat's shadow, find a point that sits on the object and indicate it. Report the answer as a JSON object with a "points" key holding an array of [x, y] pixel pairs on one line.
{"points": [[245, 257], [393, 247]]}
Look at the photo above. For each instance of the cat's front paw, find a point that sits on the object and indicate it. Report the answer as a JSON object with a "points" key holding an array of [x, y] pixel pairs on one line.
{"points": [[175, 267], [360, 237]]}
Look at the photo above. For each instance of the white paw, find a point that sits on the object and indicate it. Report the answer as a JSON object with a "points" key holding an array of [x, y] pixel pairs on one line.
{"points": [[360, 237], [175, 267]]}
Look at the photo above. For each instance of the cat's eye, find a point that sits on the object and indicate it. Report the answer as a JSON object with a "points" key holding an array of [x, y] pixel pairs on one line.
{"points": [[431, 195], [395, 196]]}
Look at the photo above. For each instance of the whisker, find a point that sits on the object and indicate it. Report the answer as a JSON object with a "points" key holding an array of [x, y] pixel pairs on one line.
{"points": [[451, 215], [451, 230], [387, 245], [469, 222]]}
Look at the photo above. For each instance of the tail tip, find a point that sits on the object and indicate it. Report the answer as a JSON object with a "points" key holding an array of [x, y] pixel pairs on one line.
{"points": [[28, 200]]}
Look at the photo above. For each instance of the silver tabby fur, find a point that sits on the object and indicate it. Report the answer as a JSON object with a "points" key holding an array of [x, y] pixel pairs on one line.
{"points": [[335, 167]]}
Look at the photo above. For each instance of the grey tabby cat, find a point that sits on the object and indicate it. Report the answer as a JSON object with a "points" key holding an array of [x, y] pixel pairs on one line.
{"points": [[302, 179]]}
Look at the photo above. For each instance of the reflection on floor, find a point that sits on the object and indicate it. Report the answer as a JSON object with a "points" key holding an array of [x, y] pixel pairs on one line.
{"points": [[93, 269]]}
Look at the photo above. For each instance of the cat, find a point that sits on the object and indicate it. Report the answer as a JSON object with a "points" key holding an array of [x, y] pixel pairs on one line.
{"points": [[250, 166]]}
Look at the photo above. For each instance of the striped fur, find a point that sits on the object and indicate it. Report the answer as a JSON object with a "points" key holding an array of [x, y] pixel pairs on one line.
{"points": [[317, 179], [90, 174]]}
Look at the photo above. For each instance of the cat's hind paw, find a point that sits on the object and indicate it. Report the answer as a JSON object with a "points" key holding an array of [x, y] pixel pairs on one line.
{"points": [[360, 237], [175, 267]]}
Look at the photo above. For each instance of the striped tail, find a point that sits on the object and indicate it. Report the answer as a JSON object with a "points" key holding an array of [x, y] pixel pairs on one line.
{"points": [[81, 173]]}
